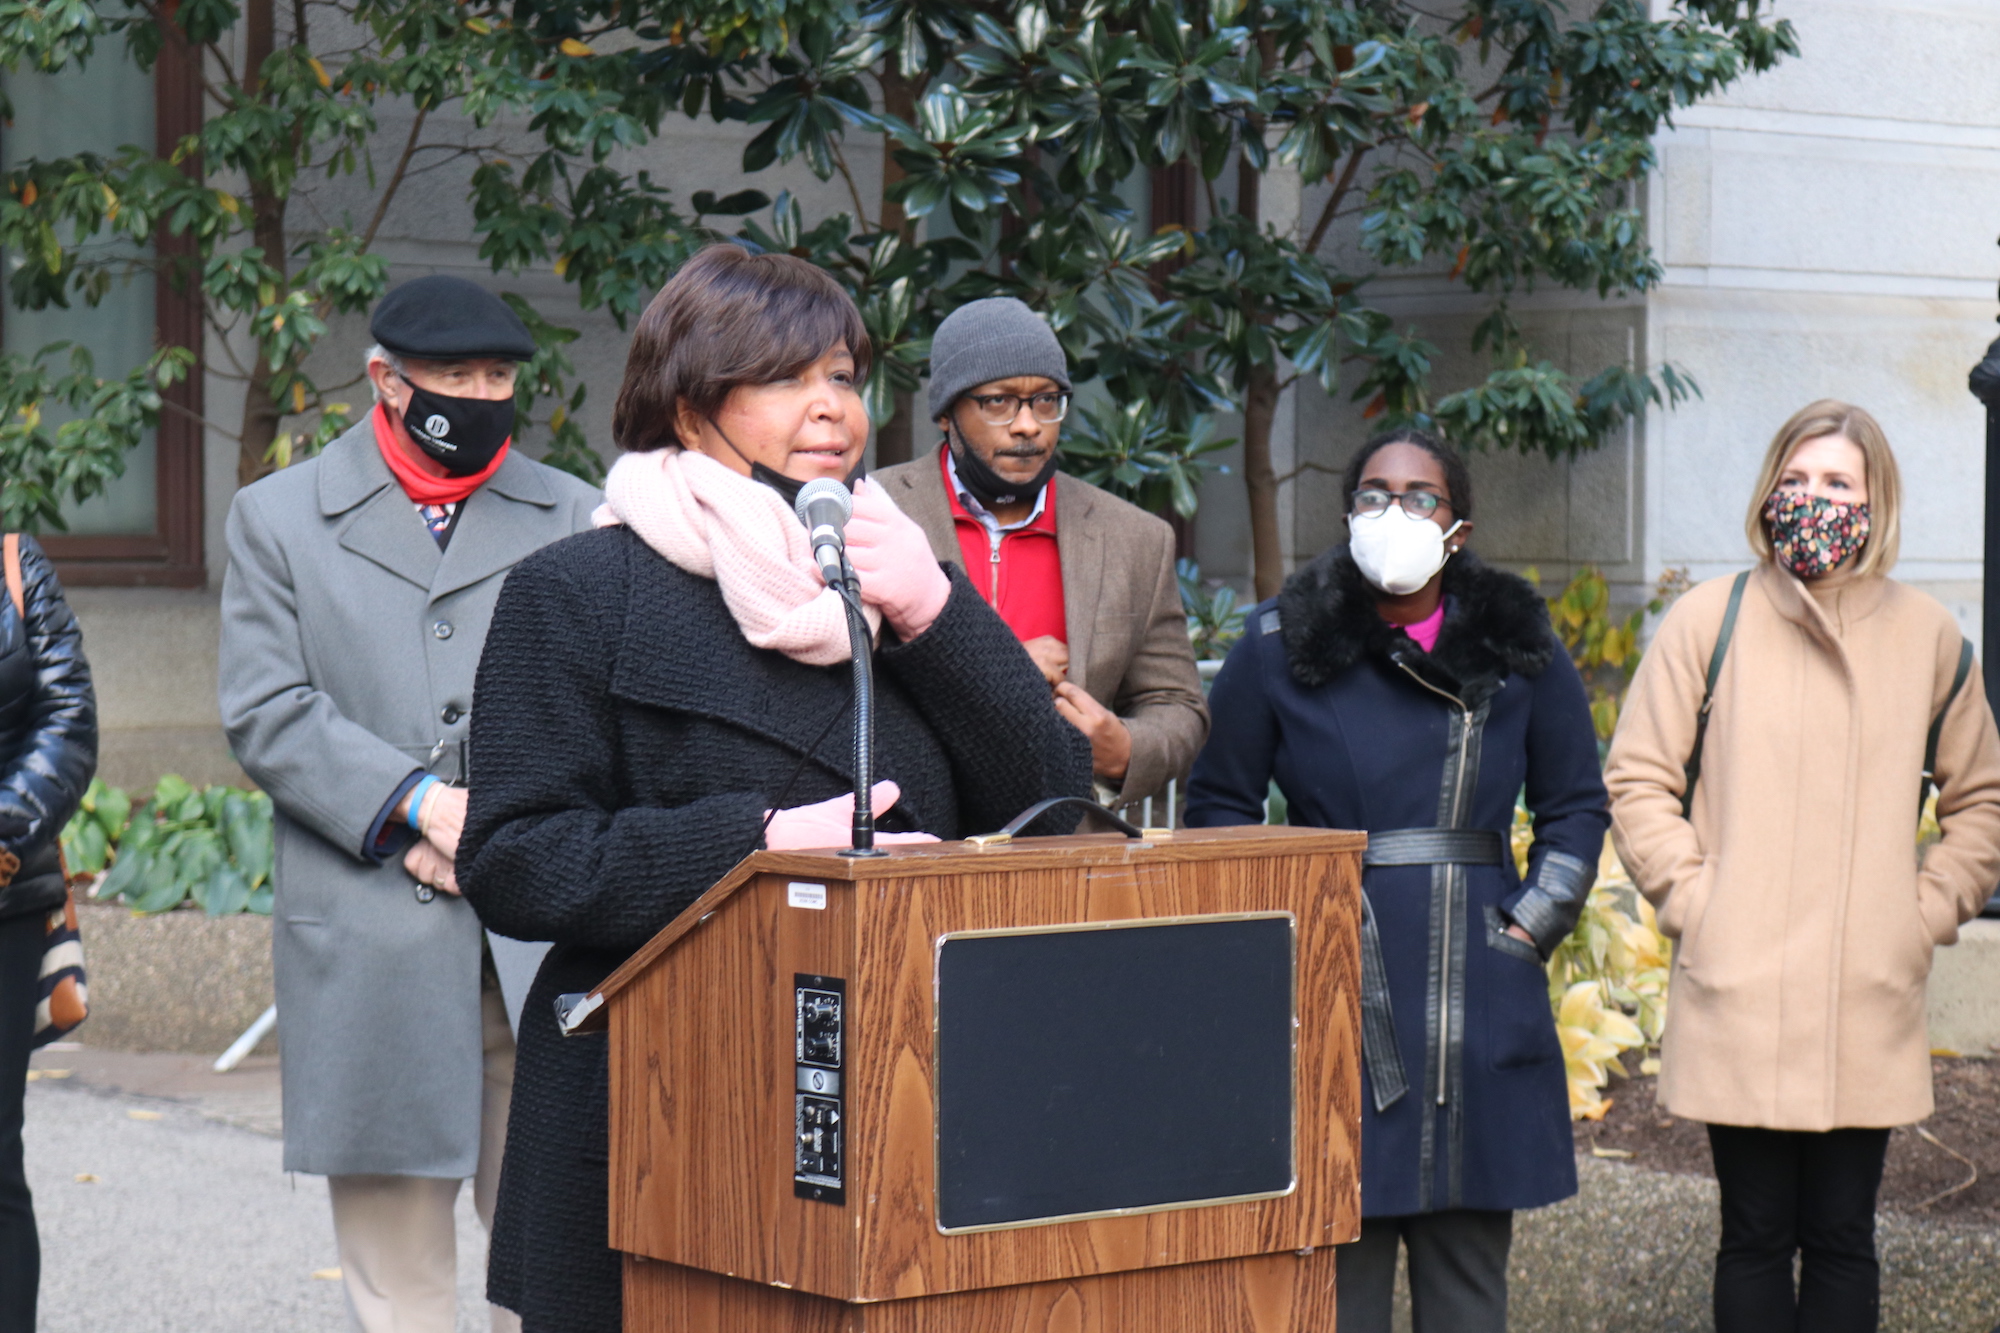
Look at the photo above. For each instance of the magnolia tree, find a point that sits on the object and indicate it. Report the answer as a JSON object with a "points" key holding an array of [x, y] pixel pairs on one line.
{"points": [[290, 98], [1498, 142]]}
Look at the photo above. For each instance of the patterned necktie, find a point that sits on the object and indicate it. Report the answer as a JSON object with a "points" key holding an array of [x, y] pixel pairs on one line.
{"points": [[438, 519]]}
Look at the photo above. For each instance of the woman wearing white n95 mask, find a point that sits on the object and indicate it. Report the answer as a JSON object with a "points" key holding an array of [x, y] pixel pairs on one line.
{"points": [[1399, 686]]}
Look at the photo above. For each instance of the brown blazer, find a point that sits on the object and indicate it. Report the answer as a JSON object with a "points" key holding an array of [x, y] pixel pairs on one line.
{"points": [[1804, 918], [1127, 633]]}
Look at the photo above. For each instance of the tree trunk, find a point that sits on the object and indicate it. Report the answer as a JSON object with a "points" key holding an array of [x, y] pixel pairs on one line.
{"points": [[1260, 479], [1260, 401], [261, 411], [895, 439]]}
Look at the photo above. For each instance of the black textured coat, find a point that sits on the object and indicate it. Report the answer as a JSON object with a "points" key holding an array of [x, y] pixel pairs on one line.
{"points": [[1465, 1102], [627, 741], [48, 732]]}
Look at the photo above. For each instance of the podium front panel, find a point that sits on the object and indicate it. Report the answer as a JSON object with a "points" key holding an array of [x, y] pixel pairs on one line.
{"points": [[1114, 1067], [735, 1110]]}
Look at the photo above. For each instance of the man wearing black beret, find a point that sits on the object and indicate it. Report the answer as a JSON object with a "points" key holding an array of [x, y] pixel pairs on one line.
{"points": [[359, 590]]}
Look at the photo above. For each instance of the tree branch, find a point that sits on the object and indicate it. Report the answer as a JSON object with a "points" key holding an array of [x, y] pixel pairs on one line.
{"points": [[1304, 468], [1340, 188], [451, 156], [198, 419], [395, 180], [222, 332], [853, 191]]}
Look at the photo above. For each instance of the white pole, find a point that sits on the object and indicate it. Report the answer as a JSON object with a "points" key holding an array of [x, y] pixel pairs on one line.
{"points": [[246, 1043]]}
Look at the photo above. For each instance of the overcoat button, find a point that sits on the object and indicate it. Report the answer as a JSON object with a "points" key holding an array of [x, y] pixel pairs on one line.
{"points": [[450, 714], [442, 629]]}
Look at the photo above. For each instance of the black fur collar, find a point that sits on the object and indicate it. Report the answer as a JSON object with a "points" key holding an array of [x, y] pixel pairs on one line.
{"points": [[1495, 622]]}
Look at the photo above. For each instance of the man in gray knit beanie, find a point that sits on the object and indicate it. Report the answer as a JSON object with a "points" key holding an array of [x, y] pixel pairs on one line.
{"points": [[1085, 580]]}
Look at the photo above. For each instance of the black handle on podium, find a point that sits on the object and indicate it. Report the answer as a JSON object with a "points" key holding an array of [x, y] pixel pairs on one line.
{"points": [[1040, 808]]}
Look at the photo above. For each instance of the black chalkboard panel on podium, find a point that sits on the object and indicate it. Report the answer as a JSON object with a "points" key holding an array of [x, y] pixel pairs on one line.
{"points": [[1114, 1067]]}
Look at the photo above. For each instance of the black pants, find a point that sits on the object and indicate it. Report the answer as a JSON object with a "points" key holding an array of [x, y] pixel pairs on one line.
{"points": [[22, 939], [1787, 1193], [1458, 1272]]}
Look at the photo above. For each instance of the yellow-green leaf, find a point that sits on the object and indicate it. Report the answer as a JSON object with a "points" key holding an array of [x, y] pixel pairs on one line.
{"points": [[319, 72], [572, 47]]}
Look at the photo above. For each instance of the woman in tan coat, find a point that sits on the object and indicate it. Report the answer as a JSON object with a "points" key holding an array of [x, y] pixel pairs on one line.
{"points": [[1804, 918]]}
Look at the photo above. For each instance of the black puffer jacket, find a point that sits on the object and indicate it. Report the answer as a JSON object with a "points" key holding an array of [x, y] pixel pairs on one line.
{"points": [[48, 733], [626, 742]]}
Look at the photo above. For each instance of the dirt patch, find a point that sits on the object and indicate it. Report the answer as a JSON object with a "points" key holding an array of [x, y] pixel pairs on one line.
{"points": [[1929, 1164]]}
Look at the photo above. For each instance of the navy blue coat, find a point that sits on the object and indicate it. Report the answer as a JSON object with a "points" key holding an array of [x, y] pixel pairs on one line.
{"points": [[1464, 1099]]}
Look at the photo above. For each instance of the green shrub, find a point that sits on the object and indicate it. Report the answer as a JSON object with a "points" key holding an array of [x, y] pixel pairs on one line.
{"points": [[1215, 622], [211, 847]]}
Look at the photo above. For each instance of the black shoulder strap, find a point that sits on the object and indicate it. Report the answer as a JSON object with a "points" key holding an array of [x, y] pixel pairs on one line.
{"points": [[1937, 725], [1722, 637]]}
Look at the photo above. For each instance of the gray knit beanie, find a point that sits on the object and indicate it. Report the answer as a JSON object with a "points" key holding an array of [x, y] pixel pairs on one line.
{"points": [[992, 339]]}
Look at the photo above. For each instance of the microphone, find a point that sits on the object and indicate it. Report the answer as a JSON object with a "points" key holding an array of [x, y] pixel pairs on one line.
{"points": [[823, 505]]}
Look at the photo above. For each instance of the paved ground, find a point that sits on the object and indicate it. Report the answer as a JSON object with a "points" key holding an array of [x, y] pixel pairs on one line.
{"points": [[1632, 1253], [163, 1207], [190, 1226]]}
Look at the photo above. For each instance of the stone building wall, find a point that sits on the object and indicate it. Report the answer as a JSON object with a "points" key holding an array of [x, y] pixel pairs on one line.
{"points": [[1827, 230]]}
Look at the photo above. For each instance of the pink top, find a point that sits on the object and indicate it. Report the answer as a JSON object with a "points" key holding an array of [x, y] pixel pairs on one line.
{"points": [[1425, 631]]}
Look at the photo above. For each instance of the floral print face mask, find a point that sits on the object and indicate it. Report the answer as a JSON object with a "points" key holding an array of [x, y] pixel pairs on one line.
{"points": [[1810, 534]]}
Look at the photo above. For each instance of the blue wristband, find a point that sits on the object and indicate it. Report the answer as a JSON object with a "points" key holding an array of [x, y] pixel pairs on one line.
{"points": [[417, 793]]}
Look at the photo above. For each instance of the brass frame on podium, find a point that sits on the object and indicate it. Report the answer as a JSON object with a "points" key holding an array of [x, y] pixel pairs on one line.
{"points": [[704, 1093]]}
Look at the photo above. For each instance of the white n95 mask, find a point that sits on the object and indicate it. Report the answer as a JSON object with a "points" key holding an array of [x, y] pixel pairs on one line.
{"points": [[1396, 552]]}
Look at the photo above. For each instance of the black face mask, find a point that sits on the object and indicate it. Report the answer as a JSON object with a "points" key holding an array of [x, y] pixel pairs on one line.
{"points": [[985, 485], [778, 481], [464, 434], [789, 487]]}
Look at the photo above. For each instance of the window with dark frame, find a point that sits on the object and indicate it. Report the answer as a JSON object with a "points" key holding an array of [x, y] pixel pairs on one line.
{"points": [[170, 555]]}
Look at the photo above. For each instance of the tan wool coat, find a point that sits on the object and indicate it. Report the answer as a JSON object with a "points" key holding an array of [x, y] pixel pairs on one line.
{"points": [[1127, 634], [1805, 922]]}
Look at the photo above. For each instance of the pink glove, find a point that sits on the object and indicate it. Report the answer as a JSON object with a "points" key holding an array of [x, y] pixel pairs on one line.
{"points": [[893, 557], [831, 823]]}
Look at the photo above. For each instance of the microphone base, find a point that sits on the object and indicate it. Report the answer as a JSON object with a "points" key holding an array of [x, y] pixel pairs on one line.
{"points": [[860, 851]]}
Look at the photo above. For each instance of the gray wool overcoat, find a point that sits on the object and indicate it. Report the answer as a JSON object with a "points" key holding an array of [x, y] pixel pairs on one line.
{"points": [[349, 646]]}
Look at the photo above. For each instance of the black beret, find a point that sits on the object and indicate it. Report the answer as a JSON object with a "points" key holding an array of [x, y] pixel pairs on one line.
{"points": [[442, 318]]}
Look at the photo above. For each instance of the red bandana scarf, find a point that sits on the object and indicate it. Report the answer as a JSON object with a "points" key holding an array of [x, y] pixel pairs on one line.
{"points": [[421, 487]]}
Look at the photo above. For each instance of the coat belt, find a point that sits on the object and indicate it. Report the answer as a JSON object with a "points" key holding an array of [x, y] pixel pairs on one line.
{"points": [[1435, 846], [1404, 847]]}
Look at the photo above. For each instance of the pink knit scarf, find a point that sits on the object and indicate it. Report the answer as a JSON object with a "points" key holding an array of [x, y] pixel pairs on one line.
{"points": [[721, 525]]}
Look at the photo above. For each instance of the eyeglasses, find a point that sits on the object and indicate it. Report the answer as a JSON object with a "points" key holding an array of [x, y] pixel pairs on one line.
{"points": [[1000, 409], [1417, 504]]}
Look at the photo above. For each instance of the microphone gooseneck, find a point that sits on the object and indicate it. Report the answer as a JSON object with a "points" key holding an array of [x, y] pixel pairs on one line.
{"points": [[862, 645], [824, 505]]}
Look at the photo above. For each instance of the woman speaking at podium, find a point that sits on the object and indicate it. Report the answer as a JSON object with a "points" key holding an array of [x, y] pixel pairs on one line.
{"points": [[664, 695], [1399, 686]]}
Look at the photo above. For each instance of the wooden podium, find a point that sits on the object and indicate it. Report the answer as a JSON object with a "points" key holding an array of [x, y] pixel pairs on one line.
{"points": [[1086, 1084]]}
